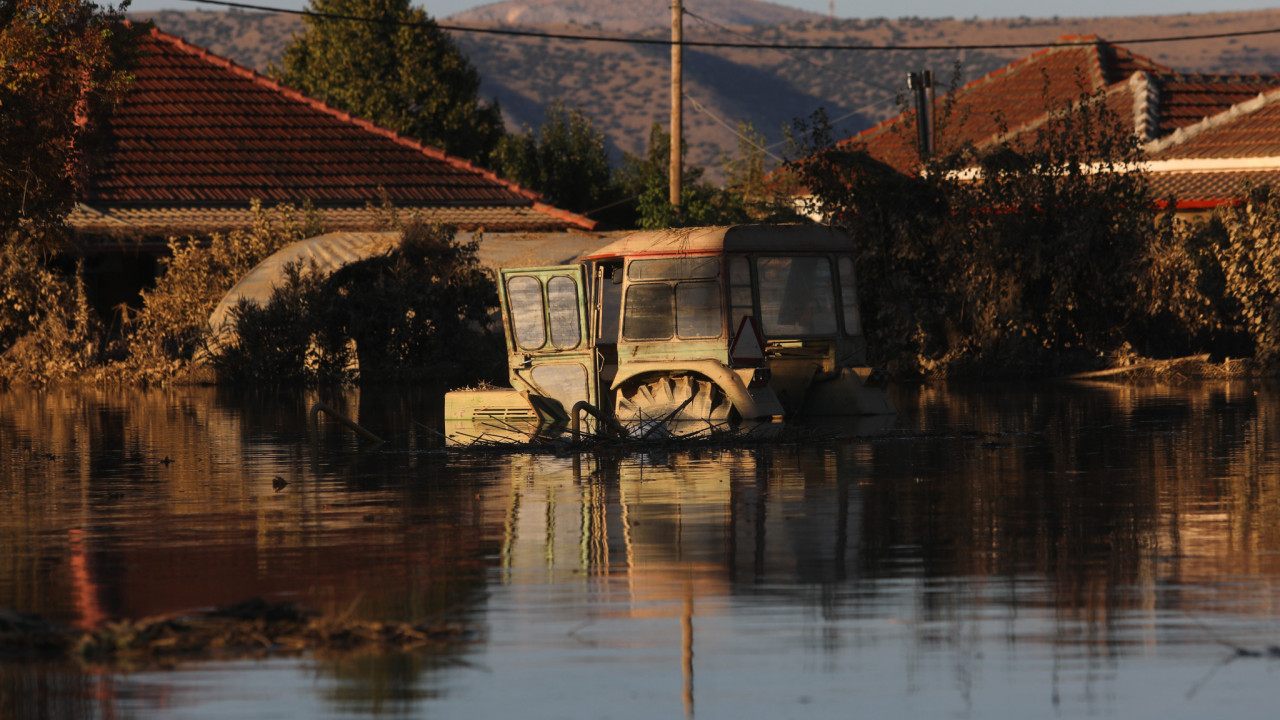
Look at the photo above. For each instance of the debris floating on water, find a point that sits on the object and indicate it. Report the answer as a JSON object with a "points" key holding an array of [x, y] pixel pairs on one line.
{"points": [[251, 628]]}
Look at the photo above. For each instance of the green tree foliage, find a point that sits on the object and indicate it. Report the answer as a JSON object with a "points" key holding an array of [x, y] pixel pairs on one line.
{"points": [[646, 178], [1000, 260], [63, 65], [402, 73], [420, 312], [565, 160], [765, 196]]}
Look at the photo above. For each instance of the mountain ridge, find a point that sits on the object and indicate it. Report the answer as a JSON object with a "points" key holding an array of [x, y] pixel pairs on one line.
{"points": [[624, 88], [635, 15]]}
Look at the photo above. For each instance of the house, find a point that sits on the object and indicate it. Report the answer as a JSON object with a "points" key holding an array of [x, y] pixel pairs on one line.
{"points": [[1206, 135], [198, 138]]}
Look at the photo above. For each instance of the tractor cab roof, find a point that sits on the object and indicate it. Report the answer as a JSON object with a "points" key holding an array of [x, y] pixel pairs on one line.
{"points": [[732, 238]]}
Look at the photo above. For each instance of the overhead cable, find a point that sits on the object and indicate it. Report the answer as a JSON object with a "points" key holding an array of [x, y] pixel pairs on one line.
{"points": [[724, 44]]}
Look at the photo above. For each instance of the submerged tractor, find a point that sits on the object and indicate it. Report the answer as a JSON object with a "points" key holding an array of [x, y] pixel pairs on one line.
{"points": [[718, 324]]}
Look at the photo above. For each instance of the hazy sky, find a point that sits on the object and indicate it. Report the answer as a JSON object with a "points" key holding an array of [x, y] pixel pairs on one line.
{"points": [[862, 8]]}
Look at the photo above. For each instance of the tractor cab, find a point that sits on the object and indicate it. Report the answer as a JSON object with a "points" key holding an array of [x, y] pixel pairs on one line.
{"points": [[709, 324]]}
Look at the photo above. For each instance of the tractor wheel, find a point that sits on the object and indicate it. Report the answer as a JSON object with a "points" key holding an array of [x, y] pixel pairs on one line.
{"points": [[680, 398]]}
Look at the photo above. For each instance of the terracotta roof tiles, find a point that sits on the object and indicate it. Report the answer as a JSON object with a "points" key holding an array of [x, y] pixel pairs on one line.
{"points": [[192, 219], [1008, 98], [197, 129], [1181, 116]]}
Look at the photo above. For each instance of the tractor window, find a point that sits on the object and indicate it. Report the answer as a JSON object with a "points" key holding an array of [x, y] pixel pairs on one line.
{"points": [[682, 268], [524, 296], [647, 312], [698, 309], [740, 299], [610, 294], [797, 298], [562, 299], [849, 297]]}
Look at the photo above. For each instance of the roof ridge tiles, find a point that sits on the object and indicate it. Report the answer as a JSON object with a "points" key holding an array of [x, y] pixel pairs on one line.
{"points": [[564, 214], [1236, 111], [276, 86], [994, 75]]}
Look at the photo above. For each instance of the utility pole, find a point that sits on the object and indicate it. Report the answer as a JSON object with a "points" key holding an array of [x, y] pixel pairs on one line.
{"points": [[677, 99], [921, 84]]}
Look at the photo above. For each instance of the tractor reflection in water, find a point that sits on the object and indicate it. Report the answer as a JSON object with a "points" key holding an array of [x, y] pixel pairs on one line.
{"points": [[712, 325]]}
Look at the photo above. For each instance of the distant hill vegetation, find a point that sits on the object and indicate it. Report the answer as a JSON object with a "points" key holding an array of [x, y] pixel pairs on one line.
{"points": [[624, 88], [629, 16]]}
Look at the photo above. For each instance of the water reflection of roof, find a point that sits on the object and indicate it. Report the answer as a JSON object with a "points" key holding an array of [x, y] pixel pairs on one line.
{"points": [[734, 238]]}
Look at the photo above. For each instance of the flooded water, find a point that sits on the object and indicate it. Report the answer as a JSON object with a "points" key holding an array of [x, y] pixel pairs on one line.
{"points": [[1057, 550]]}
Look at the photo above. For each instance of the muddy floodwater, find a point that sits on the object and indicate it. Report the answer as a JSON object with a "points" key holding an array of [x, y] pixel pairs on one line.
{"points": [[1054, 550]]}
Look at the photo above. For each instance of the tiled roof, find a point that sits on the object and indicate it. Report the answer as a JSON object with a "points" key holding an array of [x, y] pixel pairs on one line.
{"points": [[1187, 99], [200, 220], [1210, 162], [1248, 129], [1194, 190], [200, 137], [1011, 97], [1181, 116]]}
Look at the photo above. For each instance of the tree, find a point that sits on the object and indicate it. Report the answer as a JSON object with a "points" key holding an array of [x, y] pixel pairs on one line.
{"points": [[766, 196], [646, 179], [63, 64], [398, 70], [565, 160], [999, 259]]}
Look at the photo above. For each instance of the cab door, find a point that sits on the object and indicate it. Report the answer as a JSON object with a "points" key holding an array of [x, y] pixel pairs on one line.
{"points": [[549, 351]]}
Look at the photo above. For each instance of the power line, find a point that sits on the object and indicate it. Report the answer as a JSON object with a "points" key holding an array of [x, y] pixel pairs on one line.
{"points": [[864, 110], [823, 68], [723, 44], [724, 123]]}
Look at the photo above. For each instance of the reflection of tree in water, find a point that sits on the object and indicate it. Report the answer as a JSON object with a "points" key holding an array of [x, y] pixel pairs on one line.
{"points": [[1091, 491], [52, 690], [384, 685], [1082, 507]]}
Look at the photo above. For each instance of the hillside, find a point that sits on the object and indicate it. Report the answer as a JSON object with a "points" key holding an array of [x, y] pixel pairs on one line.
{"points": [[624, 87], [630, 16]]}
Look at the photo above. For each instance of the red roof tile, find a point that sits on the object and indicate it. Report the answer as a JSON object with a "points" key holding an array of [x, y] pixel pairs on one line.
{"points": [[198, 130], [1004, 100], [178, 219], [1249, 129], [1187, 99], [1193, 190], [1188, 117]]}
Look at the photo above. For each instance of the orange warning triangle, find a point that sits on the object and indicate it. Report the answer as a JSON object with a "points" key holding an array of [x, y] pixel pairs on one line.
{"points": [[748, 344]]}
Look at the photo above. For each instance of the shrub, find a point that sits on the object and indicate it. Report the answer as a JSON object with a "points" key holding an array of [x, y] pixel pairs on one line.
{"points": [[419, 312], [173, 321], [47, 332], [1249, 256], [1018, 258]]}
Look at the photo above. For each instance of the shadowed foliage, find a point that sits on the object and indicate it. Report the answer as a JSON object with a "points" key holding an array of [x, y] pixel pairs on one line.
{"points": [[419, 312]]}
